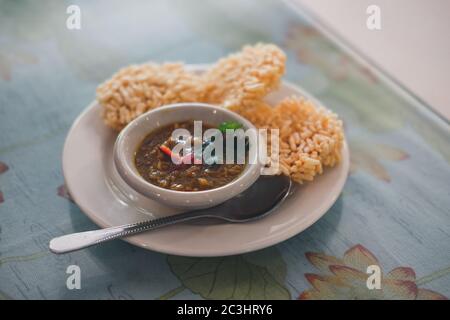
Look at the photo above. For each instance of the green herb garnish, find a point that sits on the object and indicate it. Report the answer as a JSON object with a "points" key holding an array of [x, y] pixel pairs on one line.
{"points": [[229, 125]]}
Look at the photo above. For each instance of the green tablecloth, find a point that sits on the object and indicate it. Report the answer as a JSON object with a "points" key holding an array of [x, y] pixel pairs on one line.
{"points": [[394, 210]]}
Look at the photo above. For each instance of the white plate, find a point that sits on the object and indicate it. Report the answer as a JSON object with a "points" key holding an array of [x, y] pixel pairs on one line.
{"points": [[96, 187]]}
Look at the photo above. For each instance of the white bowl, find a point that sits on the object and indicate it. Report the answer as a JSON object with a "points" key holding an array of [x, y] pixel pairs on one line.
{"points": [[133, 134]]}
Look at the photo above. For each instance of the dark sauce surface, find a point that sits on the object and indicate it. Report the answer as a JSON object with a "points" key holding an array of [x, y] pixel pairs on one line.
{"points": [[157, 167]]}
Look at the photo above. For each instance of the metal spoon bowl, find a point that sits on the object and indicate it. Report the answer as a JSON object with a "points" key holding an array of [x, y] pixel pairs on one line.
{"points": [[258, 201]]}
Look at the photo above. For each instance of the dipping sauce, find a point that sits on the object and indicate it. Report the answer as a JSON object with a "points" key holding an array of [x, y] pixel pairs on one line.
{"points": [[157, 167]]}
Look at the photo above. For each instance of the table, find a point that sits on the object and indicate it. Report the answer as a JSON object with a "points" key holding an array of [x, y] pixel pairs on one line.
{"points": [[393, 212]]}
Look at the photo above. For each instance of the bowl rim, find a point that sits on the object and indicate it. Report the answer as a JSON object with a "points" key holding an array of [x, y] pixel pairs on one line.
{"points": [[138, 183]]}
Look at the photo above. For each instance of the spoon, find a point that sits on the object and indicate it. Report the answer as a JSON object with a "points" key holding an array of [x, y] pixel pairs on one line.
{"points": [[261, 199]]}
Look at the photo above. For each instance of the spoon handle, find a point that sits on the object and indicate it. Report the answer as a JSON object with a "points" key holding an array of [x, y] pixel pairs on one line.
{"points": [[80, 240]]}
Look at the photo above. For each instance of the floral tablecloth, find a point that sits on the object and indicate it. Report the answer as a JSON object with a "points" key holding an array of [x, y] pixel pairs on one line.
{"points": [[394, 211]]}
